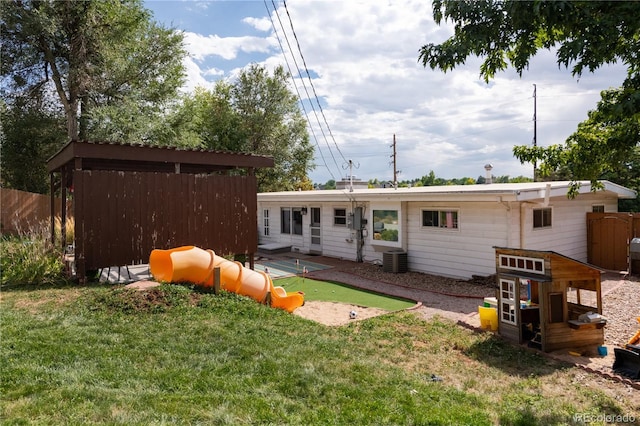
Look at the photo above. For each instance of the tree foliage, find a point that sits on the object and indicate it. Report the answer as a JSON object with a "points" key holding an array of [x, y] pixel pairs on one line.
{"points": [[30, 135], [586, 36], [107, 64], [255, 113]]}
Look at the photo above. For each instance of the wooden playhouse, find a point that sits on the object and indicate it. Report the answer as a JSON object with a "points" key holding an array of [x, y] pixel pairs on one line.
{"points": [[548, 300]]}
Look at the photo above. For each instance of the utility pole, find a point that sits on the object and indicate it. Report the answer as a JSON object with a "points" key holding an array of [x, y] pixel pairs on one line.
{"points": [[396, 172], [535, 130]]}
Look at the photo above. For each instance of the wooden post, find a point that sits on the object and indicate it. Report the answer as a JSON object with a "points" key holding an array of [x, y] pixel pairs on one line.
{"points": [[216, 280], [52, 207]]}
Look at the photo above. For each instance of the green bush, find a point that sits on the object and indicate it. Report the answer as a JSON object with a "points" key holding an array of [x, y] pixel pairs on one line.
{"points": [[389, 235], [30, 259]]}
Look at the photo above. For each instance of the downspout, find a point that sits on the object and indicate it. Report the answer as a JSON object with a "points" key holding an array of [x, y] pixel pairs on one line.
{"points": [[522, 218], [508, 207]]}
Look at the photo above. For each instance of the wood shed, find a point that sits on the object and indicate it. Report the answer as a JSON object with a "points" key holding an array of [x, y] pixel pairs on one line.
{"points": [[129, 199], [548, 300]]}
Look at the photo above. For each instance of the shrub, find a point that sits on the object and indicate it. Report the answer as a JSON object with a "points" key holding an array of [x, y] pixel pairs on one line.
{"points": [[70, 229], [30, 258]]}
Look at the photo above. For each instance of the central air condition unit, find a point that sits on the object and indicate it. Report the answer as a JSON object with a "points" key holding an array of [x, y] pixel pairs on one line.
{"points": [[394, 261]]}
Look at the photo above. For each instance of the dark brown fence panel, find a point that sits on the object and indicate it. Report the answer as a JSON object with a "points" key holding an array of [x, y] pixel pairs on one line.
{"points": [[125, 215], [22, 211]]}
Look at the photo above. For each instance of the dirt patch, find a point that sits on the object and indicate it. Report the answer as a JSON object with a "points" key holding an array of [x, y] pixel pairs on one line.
{"points": [[334, 313]]}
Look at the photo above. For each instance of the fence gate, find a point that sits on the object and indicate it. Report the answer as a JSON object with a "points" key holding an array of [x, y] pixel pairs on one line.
{"points": [[608, 238]]}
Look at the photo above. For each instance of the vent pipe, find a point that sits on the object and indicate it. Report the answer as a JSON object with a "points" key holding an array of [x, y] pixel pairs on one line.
{"points": [[488, 180]]}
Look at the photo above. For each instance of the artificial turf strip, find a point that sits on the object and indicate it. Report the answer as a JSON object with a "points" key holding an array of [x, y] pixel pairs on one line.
{"points": [[328, 291]]}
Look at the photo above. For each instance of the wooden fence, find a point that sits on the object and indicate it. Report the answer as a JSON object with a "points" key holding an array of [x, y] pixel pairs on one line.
{"points": [[24, 211]]}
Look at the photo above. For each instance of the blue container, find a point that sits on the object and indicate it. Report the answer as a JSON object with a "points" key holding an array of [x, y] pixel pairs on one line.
{"points": [[602, 350]]}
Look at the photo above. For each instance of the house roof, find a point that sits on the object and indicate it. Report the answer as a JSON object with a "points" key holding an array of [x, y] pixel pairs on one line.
{"points": [[528, 191], [126, 157]]}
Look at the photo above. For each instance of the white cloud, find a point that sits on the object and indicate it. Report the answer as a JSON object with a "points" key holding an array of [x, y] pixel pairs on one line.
{"points": [[363, 57], [200, 46]]}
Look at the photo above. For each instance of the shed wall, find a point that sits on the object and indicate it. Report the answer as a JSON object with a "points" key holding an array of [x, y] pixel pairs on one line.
{"points": [[122, 216]]}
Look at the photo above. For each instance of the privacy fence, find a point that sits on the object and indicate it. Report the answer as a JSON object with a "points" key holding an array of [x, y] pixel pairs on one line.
{"points": [[23, 211]]}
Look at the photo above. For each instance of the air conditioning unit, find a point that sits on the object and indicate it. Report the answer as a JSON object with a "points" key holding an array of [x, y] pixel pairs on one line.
{"points": [[394, 261]]}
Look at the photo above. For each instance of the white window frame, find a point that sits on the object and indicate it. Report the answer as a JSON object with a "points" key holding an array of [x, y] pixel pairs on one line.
{"points": [[542, 210], [508, 301], [336, 216], [292, 211], [265, 222], [520, 263], [441, 211]]}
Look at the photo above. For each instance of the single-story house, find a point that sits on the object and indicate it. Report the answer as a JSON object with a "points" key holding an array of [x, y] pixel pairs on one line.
{"points": [[444, 230]]}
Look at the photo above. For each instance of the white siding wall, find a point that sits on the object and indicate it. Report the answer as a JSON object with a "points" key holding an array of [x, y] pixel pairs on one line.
{"points": [[568, 232], [458, 253], [334, 237], [463, 252]]}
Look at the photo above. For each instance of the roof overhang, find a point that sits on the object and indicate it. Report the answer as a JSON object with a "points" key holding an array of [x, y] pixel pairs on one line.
{"points": [[113, 156], [506, 192]]}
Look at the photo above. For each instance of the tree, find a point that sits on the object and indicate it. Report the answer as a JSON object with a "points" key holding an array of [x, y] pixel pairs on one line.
{"points": [[91, 54], [273, 124], [587, 35], [602, 144], [30, 135], [256, 113]]}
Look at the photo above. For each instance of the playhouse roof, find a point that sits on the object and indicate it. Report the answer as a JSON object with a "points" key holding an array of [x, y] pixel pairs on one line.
{"points": [[527, 191]]}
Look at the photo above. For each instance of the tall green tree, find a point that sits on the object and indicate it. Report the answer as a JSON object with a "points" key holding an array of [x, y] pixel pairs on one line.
{"points": [[255, 113], [274, 125], [586, 36], [109, 66], [29, 134]]}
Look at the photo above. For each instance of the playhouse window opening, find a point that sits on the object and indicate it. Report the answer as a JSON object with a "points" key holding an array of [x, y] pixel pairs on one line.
{"points": [[582, 297]]}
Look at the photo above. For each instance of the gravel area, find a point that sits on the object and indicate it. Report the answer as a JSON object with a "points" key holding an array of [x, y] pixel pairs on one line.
{"points": [[621, 307]]}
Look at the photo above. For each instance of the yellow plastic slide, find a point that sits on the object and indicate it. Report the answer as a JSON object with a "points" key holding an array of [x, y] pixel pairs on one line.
{"points": [[195, 265]]}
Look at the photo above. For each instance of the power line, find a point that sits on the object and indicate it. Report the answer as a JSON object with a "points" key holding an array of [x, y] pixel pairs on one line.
{"points": [[298, 92], [295, 36], [302, 80]]}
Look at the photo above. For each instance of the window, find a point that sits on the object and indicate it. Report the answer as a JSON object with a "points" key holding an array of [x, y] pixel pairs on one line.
{"points": [[285, 220], [440, 218], [340, 217], [508, 301], [597, 208], [518, 263], [265, 222], [579, 295], [385, 225], [542, 218], [291, 220]]}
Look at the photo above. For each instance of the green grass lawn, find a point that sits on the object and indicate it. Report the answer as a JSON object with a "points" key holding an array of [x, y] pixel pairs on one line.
{"points": [[103, 355], [328, 291]]}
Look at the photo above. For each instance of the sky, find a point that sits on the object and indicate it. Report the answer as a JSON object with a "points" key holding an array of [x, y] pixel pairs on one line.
{"points": [[357, 73]]}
